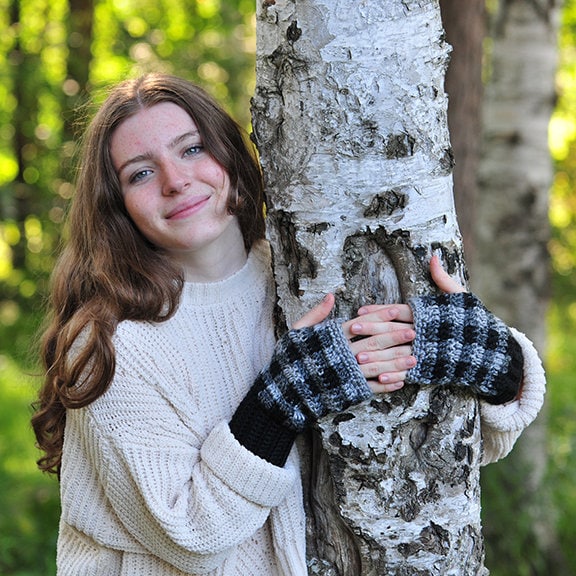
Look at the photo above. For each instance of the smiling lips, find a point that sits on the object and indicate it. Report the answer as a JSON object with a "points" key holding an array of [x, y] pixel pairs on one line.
{"points": [[191, 206]]}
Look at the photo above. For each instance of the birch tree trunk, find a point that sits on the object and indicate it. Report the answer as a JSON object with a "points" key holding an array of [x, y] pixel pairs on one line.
{"points": [[511, 271], [350, 120]]}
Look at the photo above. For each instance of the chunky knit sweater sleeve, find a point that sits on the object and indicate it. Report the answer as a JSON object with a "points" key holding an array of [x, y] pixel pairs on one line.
{"points": [[202, 499], [503, 424], [185, 499]]}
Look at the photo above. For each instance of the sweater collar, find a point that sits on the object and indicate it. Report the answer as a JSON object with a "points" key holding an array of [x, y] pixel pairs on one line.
{"points": [[254, 271]]}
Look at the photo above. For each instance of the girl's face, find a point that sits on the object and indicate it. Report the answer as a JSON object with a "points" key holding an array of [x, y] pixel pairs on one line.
{"points": [[174, 191]]}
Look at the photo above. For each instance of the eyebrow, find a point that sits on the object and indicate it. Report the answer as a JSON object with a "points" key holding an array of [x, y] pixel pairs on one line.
{"points": [[147, 156]]}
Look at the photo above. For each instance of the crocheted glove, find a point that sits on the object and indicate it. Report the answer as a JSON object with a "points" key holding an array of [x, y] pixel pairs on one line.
{"points": [[458, 341], [312, 373]]}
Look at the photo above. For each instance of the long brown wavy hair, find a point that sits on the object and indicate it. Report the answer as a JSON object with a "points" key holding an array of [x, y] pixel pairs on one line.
{"points": [[108, 271]]}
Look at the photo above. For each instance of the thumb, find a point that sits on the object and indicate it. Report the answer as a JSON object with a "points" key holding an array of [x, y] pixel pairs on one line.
{"points": [[317, 314], [442, 279]]}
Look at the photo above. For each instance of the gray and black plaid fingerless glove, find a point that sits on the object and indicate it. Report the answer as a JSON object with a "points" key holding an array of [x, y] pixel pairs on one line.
{"points": [[312, 373], [458, 341]]}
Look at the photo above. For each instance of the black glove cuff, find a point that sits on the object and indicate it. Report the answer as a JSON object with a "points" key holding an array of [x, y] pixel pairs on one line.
{"points": [[259, 432], [458, 341]]}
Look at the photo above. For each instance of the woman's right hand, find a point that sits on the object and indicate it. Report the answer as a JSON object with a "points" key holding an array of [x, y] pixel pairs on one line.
{"points": [[380, 338]]}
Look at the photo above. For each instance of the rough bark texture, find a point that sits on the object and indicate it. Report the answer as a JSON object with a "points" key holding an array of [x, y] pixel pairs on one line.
{"points": [[511, 271], [350, 120]]}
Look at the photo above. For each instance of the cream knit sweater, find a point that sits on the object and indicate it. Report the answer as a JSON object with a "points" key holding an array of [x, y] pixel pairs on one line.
{"points": [[153, 482]]}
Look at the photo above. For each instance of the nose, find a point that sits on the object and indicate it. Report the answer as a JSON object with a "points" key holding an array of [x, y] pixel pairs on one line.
{"points": [[175, 179]]}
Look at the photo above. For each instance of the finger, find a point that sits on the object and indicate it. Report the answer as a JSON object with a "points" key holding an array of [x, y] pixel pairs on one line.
{"points": [[396, 336], [442, 279], [399, 332], [384, 387], [384, 371], [386, 312], [319, 313], [379, 321], [389, 355]]}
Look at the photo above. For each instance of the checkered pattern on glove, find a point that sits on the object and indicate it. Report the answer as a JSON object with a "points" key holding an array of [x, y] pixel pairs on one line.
{"points": [[458, 341], [312, 373]]}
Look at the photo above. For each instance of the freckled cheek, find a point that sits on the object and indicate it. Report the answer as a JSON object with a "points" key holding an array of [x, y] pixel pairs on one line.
{"points": [[140, 212]]}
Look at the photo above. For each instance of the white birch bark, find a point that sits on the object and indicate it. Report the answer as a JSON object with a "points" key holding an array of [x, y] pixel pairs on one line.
{"points": [[349, 117], [511, 272]]}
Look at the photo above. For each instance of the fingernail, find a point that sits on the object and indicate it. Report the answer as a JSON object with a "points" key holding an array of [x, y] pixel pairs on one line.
{"points": [[356, 327], [362, 357], [383, 378]]}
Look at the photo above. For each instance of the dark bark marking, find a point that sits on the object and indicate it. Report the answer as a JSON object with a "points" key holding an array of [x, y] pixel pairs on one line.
{"points": [[411, 507], [293, 33], [440, 404], [318, 227], [399, 146], [343, 417], [380, 406], [368, 274], [432, 538], [468, 429], [460, 451], [300, 262], [446, 162], [347, 451], [385, 204], [418, 435]]}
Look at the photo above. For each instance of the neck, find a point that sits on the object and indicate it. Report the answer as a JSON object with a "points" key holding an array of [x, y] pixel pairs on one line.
{"points": [[213, 263]]}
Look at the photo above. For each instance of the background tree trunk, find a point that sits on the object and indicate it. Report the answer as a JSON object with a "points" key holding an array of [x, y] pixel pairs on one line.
{"points": [[18, 204], [79, 40], [465, 26], [350, 120], [511, 268]]}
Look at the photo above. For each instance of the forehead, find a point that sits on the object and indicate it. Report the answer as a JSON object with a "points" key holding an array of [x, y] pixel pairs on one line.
{"points": [[152, 127]]}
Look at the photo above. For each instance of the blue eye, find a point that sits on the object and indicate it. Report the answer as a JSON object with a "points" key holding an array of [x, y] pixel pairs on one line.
{"points": [[193, 150], [137, 176]]}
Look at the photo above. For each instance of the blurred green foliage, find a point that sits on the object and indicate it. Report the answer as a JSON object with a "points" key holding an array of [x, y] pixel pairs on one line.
{"points": [[561, 361], [513, 555], [28, 500], [53, 54]]}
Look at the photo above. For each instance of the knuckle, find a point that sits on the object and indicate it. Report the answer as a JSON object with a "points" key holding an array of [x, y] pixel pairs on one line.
{"points": [[372, 371]]}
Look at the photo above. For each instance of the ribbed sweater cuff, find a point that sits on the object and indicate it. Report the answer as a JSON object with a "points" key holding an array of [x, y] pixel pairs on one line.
{"points": [[521, 412], [260, 433]]}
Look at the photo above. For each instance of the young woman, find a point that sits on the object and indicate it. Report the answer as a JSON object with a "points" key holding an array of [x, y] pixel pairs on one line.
{"points": [[168, 409]]}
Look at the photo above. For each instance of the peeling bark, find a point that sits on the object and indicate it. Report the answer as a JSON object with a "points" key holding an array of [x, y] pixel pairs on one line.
{"points": [[349, 117]]}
